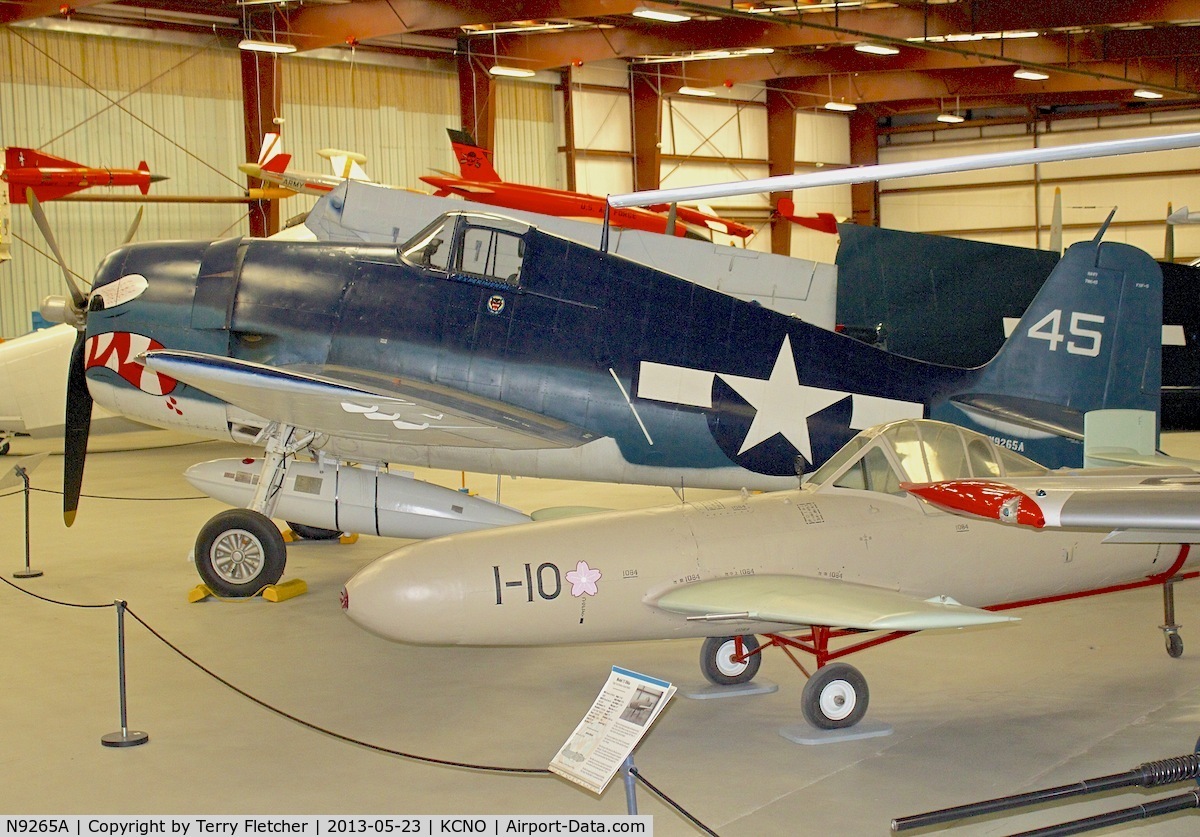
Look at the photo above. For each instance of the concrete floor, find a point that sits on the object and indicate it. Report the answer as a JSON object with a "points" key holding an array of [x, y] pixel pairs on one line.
{"points": [[1075, 690]]}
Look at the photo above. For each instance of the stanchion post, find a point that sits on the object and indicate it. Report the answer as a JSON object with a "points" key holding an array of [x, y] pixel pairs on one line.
{"points": [[125, 737], [630, 786], [27, 572]]}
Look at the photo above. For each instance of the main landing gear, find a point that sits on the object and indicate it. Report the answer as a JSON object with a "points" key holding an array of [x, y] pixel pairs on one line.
{"points": [[836, 694], [240, 551], [1169, 628]]}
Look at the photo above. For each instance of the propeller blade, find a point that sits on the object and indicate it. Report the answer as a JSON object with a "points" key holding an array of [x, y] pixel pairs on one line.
{"points": [[78, 297], [133, 228], [75, 435]]}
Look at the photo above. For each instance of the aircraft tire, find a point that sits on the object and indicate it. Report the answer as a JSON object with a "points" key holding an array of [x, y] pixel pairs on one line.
{"points": [[716, 660], [314, 533], [239, 552], [835, 697]]}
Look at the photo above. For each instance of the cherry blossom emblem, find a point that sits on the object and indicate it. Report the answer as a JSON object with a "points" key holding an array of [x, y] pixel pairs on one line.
{"points": [[583, 579]]}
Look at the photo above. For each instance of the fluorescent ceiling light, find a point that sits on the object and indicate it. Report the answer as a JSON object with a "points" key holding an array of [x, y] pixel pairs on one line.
{"points": [[1143, 93], [949, 117], [697, 91], [510, 72], [1030, 75], [875, 49], [708, 55], [252, 45], [660, 14], [844, 107]]}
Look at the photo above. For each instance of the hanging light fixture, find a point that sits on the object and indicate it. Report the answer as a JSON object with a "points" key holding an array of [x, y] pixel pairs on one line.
{"points": [[841, 106], [510, 72], [951, 117], [697, 91], [1143, 93], [875, 49], [1030, 75], [663, 15], [255, 45]]}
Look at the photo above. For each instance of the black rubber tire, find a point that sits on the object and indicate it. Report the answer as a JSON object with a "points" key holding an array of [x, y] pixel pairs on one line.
{"points": [[835, 697], [239, 552], [716, 660], [1174, 645], [313, 533]]}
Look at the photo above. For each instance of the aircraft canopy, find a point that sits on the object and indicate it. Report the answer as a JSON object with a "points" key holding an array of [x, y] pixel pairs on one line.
{"points": [[918, 451]]}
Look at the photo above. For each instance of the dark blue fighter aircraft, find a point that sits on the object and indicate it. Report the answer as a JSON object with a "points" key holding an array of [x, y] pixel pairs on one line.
{"points": [[486, 344]]}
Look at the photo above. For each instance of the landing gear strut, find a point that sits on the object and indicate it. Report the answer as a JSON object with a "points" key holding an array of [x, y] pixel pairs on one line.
{"points": [[240, 551], [1169, 628]]}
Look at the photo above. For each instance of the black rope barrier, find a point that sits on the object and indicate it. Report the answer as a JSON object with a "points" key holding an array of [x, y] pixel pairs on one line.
{"points": [[347, 739]]}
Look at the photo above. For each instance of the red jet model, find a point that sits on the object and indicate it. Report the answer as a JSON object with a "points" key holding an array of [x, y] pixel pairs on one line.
{"points": [[53, 177], [478, 181]]}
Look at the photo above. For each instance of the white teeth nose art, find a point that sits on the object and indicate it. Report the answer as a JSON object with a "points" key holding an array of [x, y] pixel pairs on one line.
{"points": [[118, 351]]}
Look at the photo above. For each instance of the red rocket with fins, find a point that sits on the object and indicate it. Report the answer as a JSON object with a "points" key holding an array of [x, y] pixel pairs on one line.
{"points": [[52, 177]]}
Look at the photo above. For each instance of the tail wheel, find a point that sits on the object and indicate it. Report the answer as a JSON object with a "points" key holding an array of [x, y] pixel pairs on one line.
{"points": [[239, 552], [717, 660], [835, 697]]}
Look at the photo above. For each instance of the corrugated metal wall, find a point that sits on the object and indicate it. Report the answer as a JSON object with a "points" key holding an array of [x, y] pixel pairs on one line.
{"points": [[397, 117], [527, 130], [1004, 205], [731, 128], [106, 102]]}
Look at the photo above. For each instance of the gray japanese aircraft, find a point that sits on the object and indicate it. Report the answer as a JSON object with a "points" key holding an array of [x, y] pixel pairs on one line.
{"points": [[863, 553]]}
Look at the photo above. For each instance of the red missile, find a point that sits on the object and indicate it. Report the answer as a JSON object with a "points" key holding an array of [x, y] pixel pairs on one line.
{"points": [[53, 177], [981, 498], [478, 181]]}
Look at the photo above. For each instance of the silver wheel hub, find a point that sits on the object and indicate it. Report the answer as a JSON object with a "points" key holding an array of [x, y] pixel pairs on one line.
{"points": [[237, 556]]}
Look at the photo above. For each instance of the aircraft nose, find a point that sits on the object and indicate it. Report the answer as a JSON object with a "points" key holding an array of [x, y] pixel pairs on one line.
{"points": [[403, 598]]}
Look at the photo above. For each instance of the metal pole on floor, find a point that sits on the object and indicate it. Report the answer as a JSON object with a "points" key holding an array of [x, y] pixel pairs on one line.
{"points": [[125, 737], [27, 572]]}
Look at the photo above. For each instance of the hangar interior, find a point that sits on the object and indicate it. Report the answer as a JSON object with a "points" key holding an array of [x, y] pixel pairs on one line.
{"points": [[604, 101]]}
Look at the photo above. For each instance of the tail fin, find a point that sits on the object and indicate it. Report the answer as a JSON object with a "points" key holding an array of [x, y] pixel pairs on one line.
{"points": [[277, 164], [144, 188], [474, 163], [1091, 339], [825, 222], [29, 158], [347, 165]]}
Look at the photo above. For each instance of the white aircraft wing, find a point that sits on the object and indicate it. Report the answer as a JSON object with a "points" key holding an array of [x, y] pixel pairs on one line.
{"points": [[806, 601], [1135, 505], [407, 413]]}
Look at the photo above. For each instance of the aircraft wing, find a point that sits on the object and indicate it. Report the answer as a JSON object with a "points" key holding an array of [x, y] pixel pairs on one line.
{"points": [[409, 414], [1135, 505], [806, 601]]}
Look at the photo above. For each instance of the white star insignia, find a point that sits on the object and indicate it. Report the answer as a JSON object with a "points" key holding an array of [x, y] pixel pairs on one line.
{"points": [[781, 403]]}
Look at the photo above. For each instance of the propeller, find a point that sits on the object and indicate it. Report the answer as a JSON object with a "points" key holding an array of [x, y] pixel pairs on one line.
{"points": [[78, 418]]}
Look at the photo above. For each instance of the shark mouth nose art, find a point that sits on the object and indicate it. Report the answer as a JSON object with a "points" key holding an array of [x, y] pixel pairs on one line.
{"points": [[118, 351]]}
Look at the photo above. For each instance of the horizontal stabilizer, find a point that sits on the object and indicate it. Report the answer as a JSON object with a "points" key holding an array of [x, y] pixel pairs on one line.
{"points": [[805, 601]]}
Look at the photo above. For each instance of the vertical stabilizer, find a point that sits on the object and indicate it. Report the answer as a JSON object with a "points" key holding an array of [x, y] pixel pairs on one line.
{"points": [[1091, 339], [474, 163]]}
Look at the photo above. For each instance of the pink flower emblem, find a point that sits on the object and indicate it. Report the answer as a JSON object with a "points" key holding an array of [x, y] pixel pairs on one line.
{"points": [[583, 579]]}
